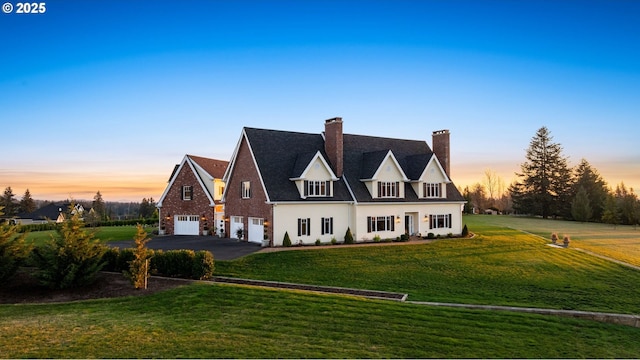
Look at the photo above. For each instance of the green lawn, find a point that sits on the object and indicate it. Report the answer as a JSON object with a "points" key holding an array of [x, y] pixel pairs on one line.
{"points": [[621, 242], [218, 321], [104, 234], [500, 266]]}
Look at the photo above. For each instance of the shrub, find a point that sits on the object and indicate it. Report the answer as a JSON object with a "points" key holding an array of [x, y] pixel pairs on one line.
{"points": [[318, 242], [174, 263], [465, 231], [287, 240], [13, 250], [404, 237], [376, 238], [70, 260], [203, 265], [348, 238], [334, 240], [138, 271], [110, 258], [431, 235]]}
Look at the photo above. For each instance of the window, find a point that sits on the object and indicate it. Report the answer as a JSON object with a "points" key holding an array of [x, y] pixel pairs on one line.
{"points": [[380, 223], [317, 188], [440, 221], [432, 190], [187, 192], [246, 189], [303, 227], [327, 225], [388, 189]]}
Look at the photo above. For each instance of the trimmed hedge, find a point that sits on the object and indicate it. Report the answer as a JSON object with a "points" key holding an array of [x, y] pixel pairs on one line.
{"points": [[56, 226], [186, 264]]}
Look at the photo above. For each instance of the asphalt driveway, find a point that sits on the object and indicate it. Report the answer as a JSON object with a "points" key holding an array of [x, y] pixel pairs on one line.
{"points": [[222, 248]]}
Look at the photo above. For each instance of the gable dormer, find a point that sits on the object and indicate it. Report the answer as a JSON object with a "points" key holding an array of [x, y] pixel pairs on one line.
{"points": [[383, 175], [313, 176], [432, 183]]}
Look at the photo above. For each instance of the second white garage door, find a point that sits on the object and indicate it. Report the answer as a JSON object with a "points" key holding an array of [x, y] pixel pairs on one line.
{"points": [[187, 225]]}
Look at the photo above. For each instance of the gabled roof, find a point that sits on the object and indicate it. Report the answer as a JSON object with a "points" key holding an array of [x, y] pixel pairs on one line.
{"points": [[47, 212], [304, 162], [204, 169], [280, 154], [284, 155]]}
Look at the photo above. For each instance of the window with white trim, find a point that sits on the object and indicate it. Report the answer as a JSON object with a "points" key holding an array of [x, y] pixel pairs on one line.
{"points": [[187, 192], [440, 221], [388, 189], [246, 189], [432, 190], [380, 223], [317, 188], [327, 225], [304, 227]]}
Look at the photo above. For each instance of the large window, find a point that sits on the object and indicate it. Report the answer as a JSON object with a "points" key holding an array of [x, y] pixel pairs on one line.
{"points": [[187, 192], [304, 227], [317, 188], [388, 189], [442, 221], [432, 190], [380, 223], [327, 225], [246, 189]]}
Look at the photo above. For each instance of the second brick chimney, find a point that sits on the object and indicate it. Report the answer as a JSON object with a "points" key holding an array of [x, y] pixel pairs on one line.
{"points": [[441, 149], [333, 145]]}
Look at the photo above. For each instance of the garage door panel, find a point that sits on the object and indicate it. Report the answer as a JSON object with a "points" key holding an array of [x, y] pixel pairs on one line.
{"points": [[187, 225]]}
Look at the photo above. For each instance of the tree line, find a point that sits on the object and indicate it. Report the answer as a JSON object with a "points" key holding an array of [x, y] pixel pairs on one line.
{"points": [[102, 210], [547, 186]]}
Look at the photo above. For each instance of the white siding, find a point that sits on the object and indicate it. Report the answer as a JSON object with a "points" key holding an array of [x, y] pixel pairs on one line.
{"points": [[285, 219]]}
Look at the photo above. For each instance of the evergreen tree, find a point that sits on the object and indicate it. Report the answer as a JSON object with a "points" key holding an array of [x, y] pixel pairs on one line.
{"points": [[546, 180], [610, 212], [71, 259], [13, 250], [627, 205], [98, 206], [8, 202], [596, 188], [27, 204], [139, 267], [581, 206]]}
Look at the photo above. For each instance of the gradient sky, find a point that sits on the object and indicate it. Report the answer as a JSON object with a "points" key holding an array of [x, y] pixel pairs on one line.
{"points": [[109, 95]]}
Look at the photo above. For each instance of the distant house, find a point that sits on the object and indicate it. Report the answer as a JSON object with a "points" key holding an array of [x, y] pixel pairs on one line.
{"points": [[54, 212], [190, 204], [316, 186]]}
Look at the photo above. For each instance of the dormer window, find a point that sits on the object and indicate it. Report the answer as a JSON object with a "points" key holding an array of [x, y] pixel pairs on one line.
{"points": [[388, 189], [317, 188], [432, 190]]}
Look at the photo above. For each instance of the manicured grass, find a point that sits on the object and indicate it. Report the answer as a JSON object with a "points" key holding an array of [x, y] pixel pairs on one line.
{"points": [[104, 234], [621, 242], [218, 321], [500, 266]]}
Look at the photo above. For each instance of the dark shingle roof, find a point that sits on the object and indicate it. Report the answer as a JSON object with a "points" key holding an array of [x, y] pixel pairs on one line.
{"points": [[281, 155], [47, 212]]}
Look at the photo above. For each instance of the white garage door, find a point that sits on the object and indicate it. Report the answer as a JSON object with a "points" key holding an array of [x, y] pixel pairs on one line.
{"points": [[256, 230], [187, 225]]}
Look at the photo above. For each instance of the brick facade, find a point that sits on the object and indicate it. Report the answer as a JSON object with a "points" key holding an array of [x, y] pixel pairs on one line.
{"points": [[256, 206], [174, 205]]}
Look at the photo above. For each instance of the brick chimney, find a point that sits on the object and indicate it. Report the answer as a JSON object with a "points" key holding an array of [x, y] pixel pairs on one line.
{"points": [[441, 149], [333, 145]]}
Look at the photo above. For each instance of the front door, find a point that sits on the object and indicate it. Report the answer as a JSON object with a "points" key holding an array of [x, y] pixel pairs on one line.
{"points": [[408, 224]]}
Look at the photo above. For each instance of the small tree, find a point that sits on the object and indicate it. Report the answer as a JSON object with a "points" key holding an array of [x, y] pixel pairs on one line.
{"points": [[139, 267], [581, 206], [13, 250], [287, 240], [71, 259], [348, 237]]}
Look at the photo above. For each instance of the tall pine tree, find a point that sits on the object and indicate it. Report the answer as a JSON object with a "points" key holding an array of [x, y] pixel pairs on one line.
{"points": [[545, 180], [27, 204], [596, 188]]}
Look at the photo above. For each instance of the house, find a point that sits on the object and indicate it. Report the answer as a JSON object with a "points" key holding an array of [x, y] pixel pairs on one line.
{"points": [[54, 212], [190, 204], [316, 186]]}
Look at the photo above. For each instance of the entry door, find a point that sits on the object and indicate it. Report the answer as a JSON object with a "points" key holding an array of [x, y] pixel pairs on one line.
{"points": [[408, 224]]}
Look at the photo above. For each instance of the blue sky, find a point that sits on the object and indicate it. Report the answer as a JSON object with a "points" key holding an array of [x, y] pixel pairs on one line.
{"points": [[109, 95]]}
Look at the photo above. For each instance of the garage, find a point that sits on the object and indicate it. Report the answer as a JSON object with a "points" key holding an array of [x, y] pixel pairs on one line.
{"points": [[256, 230], [187, 225]]}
